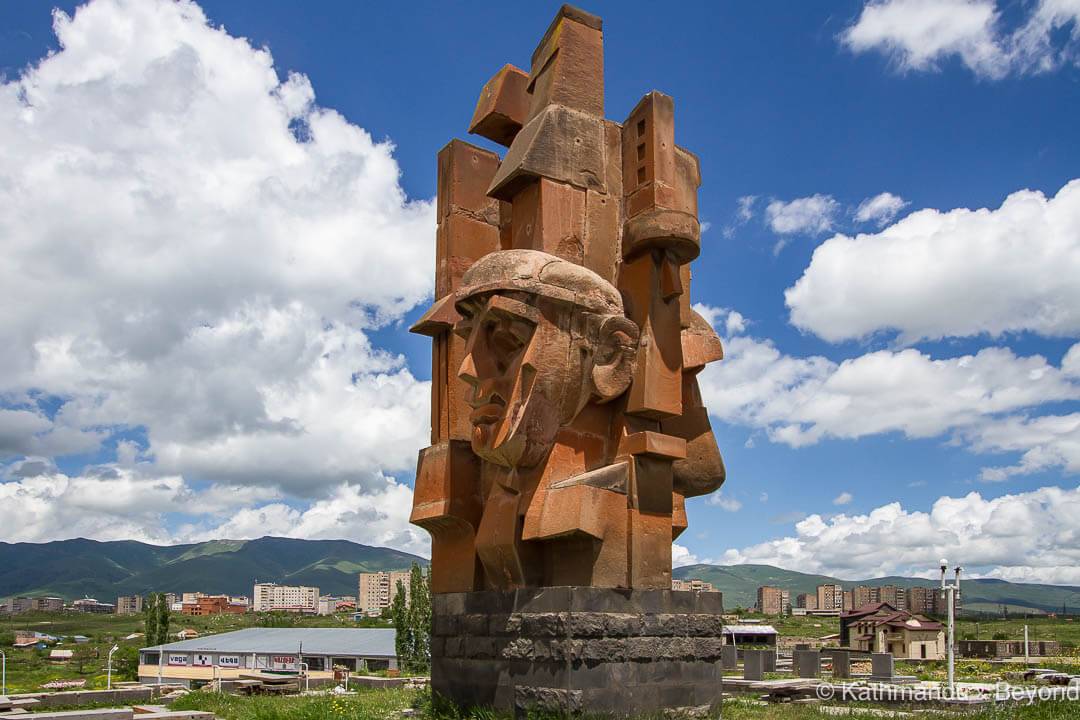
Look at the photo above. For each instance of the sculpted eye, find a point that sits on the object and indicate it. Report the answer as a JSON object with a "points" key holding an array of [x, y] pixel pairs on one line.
{"points": [[505, 341], [462, 328]]}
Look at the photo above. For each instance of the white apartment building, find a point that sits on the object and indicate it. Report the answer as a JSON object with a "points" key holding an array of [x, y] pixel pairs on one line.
{"points": [[376, 591], [268, 597]]}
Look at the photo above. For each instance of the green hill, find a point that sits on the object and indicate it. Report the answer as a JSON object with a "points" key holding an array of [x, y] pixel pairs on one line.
{"points": [[739, 583], [72, 569]]}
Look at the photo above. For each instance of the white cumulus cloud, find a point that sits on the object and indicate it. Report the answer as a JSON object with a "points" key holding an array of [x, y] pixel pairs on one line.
{"points": [[983, 398], [917, 35], [812, 215], [725, 502], [842, 499], [1023, 537], [197, 252], [881, 208], [1005, 270]]}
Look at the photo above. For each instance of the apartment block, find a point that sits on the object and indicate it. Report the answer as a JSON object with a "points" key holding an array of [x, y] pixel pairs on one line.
{"points": [[891, 594], [807, 601], [772, 600], [830, 597], [90, 605], [268, 597], [376, 591], [860, 596], [694, 584], [47, 604], [129, 604], [849, 601], [921, 600], [20, 605], [212, 605]]}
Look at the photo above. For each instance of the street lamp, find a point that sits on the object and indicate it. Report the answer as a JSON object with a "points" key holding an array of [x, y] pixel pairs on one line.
{"points": [[948, 593], [114, 649], [3, 674]]}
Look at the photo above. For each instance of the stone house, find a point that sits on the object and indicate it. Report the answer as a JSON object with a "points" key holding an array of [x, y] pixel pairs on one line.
{"points": [[879, 627]]}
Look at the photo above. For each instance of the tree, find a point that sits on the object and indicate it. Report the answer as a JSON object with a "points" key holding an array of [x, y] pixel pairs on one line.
{"points": [[163, 619], [81, 654], [402, 633], [156, 619], [412, 622], [125, 663], [419, 619], [150, 620]]}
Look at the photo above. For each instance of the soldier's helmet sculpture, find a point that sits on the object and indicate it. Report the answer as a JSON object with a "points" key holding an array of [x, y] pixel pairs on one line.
{"points": [[567, 423]]}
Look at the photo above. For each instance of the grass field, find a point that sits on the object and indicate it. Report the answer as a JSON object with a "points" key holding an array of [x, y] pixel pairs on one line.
{"points": [[382, 704], [1065, 630]]}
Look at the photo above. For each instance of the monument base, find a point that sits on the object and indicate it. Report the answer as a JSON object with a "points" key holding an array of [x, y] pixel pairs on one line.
{"points": [[596, 651]]}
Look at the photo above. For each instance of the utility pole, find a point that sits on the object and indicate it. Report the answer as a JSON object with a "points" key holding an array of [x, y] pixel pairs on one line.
{"points": [[948, 592], [114, 649]]}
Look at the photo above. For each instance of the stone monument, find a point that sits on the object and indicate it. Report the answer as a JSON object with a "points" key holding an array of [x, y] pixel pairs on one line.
{"points": [[567, 424]]}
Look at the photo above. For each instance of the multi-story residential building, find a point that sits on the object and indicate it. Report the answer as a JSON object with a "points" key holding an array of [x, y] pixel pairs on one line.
{"points": [[772, 600], [376, 591], [21, 605], [190, 597], [212, 605], [129, 604], [807, 601], [694, 584], [892, 595], [849, 601], [47, 604], [90, 605], [830, 597], [860, 596], [920, 600], [328, 604], [268, 597], [930, 600], [171, 599]]}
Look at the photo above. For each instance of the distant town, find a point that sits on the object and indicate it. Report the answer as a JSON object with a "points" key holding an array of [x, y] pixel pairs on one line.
{"points": [[374, 595], [834, 600]]}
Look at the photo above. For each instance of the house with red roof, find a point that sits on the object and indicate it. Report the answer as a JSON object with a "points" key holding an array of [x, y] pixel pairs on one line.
{"points": [[879, 627]]}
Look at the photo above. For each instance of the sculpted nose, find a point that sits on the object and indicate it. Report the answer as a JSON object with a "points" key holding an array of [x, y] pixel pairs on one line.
{"points": [[467, 371]]}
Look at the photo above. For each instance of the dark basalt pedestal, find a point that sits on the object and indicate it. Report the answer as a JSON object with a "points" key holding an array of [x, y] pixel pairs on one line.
{"points": [[570, 650]]}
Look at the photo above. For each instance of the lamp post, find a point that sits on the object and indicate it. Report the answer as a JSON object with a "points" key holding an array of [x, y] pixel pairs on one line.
{"points": [[948, 593], [3, 673], [114, 649]]}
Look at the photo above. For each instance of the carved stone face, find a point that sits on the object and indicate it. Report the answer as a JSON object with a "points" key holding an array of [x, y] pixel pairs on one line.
{"points": [[533, 358], [524, 371]]}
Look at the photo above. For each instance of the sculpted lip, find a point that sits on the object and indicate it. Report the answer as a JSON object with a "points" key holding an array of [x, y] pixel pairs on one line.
{"points": [[486, 413]]}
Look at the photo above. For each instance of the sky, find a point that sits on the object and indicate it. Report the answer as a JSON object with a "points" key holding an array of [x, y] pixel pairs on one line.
{"points": [[217, 223]]}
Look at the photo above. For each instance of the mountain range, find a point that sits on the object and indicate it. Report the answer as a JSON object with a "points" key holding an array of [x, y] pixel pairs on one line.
{"points": [[739, 583], [78, 568]]}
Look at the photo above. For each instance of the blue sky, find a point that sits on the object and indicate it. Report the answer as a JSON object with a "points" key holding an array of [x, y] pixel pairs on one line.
{"points": [[218, 226]]}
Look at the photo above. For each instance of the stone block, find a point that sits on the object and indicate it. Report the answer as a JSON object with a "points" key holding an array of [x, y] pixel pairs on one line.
{"points": [[770, 660], [754, 664], [841, 664], [807, 663], [606, 656], [729, 657], [559, 144], [567, 66], [464, 173], [503, 104], [881, 666]]}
